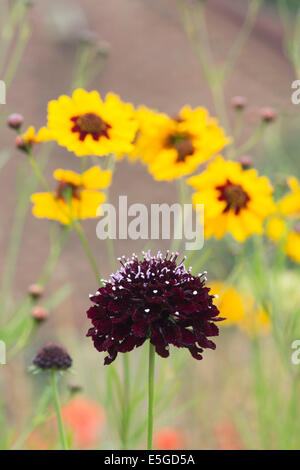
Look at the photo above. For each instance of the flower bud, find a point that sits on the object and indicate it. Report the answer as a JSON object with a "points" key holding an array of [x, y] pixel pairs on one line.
{"points": [[246, 161], [239, 102], [15, 121], [20, 143], [74, 388], [268, 114], [35, 290], [39, 314]]}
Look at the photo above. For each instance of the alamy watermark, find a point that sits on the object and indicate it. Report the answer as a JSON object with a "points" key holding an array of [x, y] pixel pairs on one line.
{"points": [[296, 94], [295, 358], [2, 352], [138, 222], [2, 92]]}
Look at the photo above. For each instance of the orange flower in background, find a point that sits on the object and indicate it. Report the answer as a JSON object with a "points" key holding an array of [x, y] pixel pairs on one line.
{"points": [[85, 419], [168, 439], [227, 436]]}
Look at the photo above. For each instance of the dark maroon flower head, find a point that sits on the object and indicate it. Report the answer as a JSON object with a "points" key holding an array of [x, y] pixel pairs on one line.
{"points": [[52, 356], [154, 298]]}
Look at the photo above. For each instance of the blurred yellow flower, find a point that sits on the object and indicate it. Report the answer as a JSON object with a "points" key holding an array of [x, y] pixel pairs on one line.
{"points": [[86, 125], [235, 200], [76, 196], [239, 309], [32, 137], [278, 227], [289, 205], [173, 147]]}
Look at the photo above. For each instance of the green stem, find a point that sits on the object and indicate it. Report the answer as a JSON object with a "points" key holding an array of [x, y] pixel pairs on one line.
{"points": [[253, 139], [37, 170], [150, 394], [87, 250], [58, 413], [126, 402]]}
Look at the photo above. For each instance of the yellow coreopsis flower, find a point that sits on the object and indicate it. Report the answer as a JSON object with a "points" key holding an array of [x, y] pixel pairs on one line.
{"points": [[76, 196], [173, 147], [86, 125], [289, 205], [235, 200], [239, 309], [30, 136], [278, 227]]}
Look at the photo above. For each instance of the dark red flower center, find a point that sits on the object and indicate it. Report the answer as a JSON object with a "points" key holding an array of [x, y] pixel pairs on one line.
{"points": [[234, 196], [67, 191], [90, 124], [183, 144]]}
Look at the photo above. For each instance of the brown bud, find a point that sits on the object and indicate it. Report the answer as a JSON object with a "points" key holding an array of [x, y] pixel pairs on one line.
{"points": [[268, 114], [15, 121], [39, 314], [239, 102], [74, 388], [35, 290], [246, 161]]}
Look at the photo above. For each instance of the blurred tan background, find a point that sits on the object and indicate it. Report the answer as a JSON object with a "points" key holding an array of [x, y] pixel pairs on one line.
{"points": [[151, 62]]}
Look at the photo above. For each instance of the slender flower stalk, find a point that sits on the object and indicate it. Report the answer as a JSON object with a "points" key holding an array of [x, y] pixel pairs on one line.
{"points": [[53, 358], [88, 252], [126, 402], [62, 435], [150, 395]]}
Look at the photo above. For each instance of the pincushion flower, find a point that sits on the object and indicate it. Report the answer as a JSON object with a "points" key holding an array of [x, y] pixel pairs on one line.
{"points": [[235, 200], [240, 309], [173, 147], [76, 196], [52, 356], [86, 125], [157, 299], [284, 227]]}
